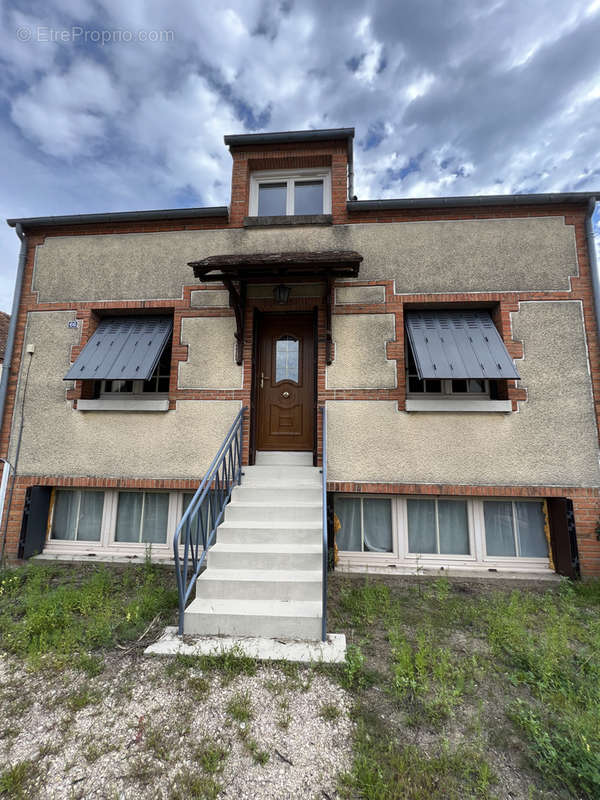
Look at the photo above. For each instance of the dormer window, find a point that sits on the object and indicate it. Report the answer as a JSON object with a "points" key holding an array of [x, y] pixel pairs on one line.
{"points": [[284, 194]]}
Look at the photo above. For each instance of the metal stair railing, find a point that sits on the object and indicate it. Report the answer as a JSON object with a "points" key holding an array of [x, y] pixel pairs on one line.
{"points": [[325, 551], [197, 529]]}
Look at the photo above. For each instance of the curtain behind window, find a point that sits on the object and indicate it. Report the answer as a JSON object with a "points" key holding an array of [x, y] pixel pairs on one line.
{"points": [[348, 513], [421, 526], [454, 527], [377, 522]]}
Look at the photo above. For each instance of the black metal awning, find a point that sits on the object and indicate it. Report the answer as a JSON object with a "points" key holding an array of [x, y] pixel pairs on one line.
{"points": [[122, 348], [458, 344]]}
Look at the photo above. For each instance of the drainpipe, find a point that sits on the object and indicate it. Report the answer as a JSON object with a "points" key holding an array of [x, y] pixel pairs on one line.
{"points": [[589, 235], [8, 470], [10, 341]]}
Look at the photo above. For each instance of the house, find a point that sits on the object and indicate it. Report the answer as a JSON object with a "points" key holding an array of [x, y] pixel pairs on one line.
{"points": [[450, 346]]}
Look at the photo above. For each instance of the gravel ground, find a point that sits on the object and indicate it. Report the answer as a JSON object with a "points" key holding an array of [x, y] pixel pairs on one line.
{"points": [[136, 731]]}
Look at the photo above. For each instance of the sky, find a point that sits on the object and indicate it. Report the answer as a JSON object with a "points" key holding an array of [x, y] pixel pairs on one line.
{"points": [[112, 106]]}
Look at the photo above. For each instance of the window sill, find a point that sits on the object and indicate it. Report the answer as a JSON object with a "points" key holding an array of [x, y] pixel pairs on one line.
{"points": [[433, 404], [120, 404], [292, 219]]}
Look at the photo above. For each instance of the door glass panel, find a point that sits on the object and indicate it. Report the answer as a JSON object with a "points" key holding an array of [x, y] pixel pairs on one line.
{"points": [[286, 359]]}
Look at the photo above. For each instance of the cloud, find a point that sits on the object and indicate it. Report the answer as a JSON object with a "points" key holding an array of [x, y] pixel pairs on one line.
{"points": [[447, 98]]}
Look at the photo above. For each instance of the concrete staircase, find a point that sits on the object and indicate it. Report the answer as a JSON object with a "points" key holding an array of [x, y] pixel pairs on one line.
{"points": [[264, 574]]}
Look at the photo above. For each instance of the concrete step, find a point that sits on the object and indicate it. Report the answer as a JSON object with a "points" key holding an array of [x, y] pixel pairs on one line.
{"points": [[270, 532], [288, 458], [290, 556], [272, 619], [288, 494], [270, 584], [294, 476], [273, 512]]}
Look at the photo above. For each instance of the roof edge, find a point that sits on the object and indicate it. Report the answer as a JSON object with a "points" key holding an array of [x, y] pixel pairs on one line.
{"points": [[317, 135], [121, 216], [473, 200]]}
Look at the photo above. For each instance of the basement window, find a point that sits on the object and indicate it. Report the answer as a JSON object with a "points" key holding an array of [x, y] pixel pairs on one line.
{"points": [[77, 515], [282, 193], [365, 524], [142, 517]]}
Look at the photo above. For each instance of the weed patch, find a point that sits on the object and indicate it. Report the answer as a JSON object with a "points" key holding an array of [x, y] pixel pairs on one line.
{"points": [[57, 612]]}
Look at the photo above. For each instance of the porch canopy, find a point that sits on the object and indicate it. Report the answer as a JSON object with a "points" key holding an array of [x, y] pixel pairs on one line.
{"points": [[245, 268]]}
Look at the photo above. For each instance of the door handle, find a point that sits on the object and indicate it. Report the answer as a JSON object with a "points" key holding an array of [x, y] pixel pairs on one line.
{"points": [[262, 379]]}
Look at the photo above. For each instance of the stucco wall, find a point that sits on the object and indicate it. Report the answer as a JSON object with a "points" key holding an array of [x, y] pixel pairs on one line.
{"points": [[534, 253], [359, 294], [60, 441], [211, 363], [360, 352], [551, 441]]}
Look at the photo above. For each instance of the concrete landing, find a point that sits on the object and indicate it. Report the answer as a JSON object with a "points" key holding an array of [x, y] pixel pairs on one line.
{"points": [[333, 651]]}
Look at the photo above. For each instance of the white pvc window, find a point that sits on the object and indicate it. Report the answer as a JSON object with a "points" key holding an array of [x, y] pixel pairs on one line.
{"points": [[452, 533], [365, 524], [142, 517], [515, 529], [283, 193], [438, 526], [77, 515]]}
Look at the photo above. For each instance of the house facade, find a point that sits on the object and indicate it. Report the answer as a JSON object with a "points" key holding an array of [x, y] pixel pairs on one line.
{"points": [[453, 343]]}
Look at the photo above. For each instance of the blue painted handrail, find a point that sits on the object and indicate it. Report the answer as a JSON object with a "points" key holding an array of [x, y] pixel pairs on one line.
{"points": [[198, 527], [325, 551]]}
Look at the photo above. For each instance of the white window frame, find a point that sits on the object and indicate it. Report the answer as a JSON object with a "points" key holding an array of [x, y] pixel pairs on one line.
{"points": [[505, 560], [108, 546], [358, 556], [401, 560], [442, 558], [289, 177]]}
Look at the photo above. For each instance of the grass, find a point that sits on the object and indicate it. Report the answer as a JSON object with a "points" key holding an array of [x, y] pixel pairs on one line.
{"points": [[64, 615], [16, 780], [239, 707], [469, 672]]}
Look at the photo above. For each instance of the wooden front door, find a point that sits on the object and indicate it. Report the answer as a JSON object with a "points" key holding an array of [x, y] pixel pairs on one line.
{"points": [[285, 382]]}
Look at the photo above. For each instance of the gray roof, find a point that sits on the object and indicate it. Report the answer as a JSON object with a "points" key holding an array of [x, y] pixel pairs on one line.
{"points": [[319, 135], [559, 198], [121, 216]]}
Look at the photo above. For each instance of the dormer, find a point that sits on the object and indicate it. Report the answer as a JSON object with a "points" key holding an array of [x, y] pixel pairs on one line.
{"points": [[292, 178]]}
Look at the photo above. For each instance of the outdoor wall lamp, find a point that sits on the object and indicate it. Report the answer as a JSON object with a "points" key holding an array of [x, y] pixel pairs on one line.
{"points": [[281, 294]]}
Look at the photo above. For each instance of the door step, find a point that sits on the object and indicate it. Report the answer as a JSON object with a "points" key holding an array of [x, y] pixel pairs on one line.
{"points": [[271, 618], [284, 457]]}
